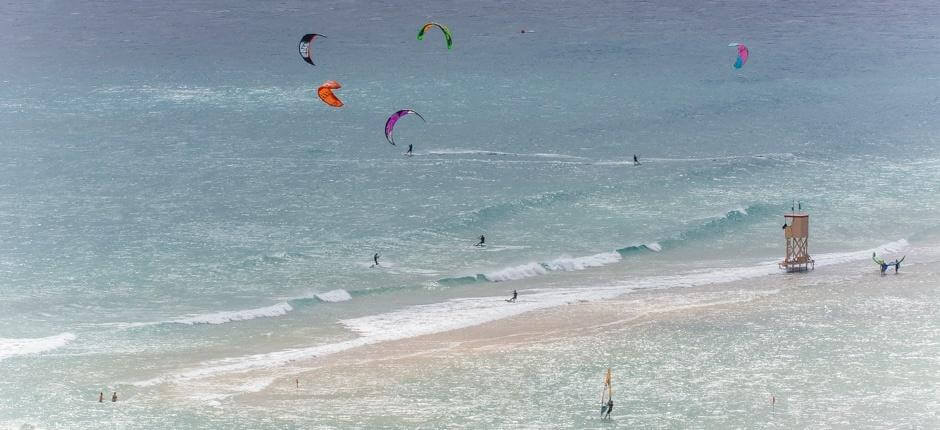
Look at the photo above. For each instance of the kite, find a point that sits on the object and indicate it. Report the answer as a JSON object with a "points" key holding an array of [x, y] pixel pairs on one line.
{"points": [[326, 93], [304, 47], [390, 123], [444, 29], [743, 53]]}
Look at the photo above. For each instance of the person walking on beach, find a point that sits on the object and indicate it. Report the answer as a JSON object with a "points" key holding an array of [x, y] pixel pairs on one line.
{"points": [[482, 241], [610, 407], [375, 259], [114, 397]]}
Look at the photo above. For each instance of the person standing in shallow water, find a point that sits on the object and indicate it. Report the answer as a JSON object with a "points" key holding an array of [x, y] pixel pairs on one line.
{"points": [[101, 397], [114, 397], [375, 259]]}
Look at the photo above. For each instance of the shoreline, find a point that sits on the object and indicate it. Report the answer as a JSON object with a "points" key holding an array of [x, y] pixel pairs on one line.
{"points": [[576, 317]]}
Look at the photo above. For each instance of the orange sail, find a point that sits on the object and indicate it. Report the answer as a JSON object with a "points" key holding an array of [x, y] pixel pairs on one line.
{"points": [[326, 93]]}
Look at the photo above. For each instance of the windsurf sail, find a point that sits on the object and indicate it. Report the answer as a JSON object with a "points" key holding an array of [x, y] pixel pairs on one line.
{"points": [[607, 393]]}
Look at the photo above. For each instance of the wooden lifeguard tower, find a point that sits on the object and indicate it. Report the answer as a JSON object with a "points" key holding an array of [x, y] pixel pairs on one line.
{"points": [[796, 231]]}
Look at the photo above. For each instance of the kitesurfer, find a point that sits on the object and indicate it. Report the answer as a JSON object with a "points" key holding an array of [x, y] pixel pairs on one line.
{"points": [[514, 295], [375, 259], [897, 264], [881, 262], [408, 152], [482, 241], [610, 407], [636, 161]]}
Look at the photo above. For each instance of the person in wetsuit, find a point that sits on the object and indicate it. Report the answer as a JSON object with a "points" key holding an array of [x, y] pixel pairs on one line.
{"points": [[408, 152], [610, 407], [375, 259], [514, 295], [482, 241]]}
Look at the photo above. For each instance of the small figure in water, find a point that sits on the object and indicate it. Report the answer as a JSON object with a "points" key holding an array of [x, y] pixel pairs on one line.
{"points": [[114, 397], [884, 265], [101, 397], [636, 161], [297, 382], [375, 259], [897, 264], [514, 295], [610, 407], [408, 152], [482, 241]]}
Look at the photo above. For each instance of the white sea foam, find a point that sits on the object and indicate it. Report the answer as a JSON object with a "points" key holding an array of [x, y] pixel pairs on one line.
{"points": [[12, 347], [333, 296], [654, 246], [466, 312], [228, 316], [561, 264], [522, 271], [580, 263]]}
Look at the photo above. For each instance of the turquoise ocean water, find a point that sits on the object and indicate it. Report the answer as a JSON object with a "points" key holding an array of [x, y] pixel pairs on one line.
{"points": [[174, 198]]}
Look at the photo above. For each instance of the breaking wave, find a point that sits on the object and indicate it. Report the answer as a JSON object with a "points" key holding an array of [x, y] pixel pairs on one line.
{"points": [[11, 347], [714, 226], [334, 296], [243, 315]]}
